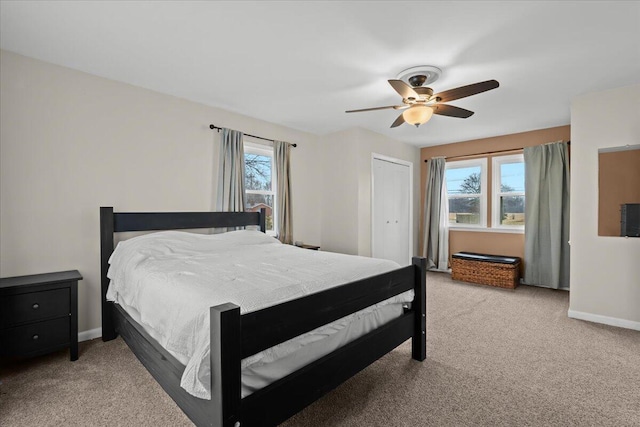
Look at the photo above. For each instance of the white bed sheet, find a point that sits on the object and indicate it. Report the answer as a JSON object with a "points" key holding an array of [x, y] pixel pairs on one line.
{"points": [[170, 279]]}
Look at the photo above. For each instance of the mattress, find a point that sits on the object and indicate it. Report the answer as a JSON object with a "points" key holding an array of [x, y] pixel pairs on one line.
{"points": [[167, 282]]}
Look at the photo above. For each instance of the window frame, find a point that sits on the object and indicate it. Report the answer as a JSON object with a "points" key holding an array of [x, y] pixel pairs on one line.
{"points": [[459, 164], [497, 193], [260, 149]]}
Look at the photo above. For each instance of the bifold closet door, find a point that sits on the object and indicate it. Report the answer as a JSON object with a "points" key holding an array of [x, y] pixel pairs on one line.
{"points": [[391, 204]]}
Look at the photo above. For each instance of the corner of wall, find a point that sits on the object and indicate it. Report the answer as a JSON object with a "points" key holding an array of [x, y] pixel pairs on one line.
{"points": [[604, 273]]}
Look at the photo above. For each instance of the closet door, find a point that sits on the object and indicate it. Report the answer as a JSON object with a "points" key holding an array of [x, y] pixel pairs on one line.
{"points": [[378, 211], [401, 238], [391, 206]]}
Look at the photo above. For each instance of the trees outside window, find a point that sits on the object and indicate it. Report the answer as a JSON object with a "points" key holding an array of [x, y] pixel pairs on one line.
{"points": [[466, 182], [508, 192], [260, 188], [466, 191]]}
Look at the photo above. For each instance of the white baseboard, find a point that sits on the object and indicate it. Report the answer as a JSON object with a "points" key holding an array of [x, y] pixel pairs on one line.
{"points": [[90, 334], [597, 318]]}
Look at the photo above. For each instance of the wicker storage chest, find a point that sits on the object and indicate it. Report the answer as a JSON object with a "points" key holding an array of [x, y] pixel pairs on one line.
{"points": [[492, 270]]}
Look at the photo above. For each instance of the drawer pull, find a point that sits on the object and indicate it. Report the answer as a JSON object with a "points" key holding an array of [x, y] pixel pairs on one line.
{"points": [[35, 337], [35, 306]]}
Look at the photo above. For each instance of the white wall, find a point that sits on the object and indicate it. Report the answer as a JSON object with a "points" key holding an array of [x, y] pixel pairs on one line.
{"points": [[71, 142], [346, 214], [605, 271], [339, 190]]}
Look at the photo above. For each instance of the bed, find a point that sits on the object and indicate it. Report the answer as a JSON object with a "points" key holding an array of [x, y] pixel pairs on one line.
{"points": [[235, 336]]}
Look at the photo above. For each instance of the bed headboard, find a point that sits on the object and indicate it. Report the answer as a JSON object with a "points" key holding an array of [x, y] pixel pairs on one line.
{"points": [[117, 222]]}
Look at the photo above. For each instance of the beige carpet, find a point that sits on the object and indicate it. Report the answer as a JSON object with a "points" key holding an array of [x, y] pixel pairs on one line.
{"points": [[494, 357]]}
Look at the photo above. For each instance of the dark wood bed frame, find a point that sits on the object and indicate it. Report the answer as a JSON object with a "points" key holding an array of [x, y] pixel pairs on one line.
{"points": [[235, 336]]}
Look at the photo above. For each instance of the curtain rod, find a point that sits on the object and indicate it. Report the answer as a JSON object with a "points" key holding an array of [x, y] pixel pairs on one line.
{"points": [[252, 136], [488, 152]]}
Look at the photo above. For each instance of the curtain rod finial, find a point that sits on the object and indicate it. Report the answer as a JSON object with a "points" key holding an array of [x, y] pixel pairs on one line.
{"points": [[212, 127]]}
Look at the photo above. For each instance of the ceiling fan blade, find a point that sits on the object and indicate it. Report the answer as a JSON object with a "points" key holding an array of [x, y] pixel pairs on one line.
{"points": [[404, 89], [395, 107], [451, 111], [464, 91], [398, 122]]}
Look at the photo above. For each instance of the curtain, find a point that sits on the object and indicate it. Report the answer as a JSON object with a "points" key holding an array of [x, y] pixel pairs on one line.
{"points": [[546, 241], [281, 159], [231, 172], [436, 220]]}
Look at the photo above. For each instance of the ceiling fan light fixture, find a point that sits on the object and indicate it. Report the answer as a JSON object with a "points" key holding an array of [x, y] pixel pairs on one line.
{"points": [[417, 115], [420, 103]]}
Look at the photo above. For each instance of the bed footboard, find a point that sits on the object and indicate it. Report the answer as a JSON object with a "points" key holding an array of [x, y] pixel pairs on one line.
{"points": [[235, 337], [288, 396], [419, 338], [225, 364]]}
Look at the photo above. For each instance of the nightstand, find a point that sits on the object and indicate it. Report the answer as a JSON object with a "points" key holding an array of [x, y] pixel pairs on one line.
{"points": [[39, 314], [312, 247]]}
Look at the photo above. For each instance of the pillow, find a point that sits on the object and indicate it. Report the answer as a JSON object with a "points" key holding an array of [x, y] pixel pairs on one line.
{"points": [[246, 237]]}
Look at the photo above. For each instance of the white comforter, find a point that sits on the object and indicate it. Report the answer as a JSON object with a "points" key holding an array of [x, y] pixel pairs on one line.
{"points": [[172, 278]]}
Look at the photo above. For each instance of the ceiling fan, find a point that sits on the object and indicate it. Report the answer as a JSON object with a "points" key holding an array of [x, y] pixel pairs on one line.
{"points": [[419, 101]]}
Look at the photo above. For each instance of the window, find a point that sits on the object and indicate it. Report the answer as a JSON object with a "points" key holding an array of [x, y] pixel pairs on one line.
{"points": [[466, 191], [508, 192], [259, 181], [466, 182]]}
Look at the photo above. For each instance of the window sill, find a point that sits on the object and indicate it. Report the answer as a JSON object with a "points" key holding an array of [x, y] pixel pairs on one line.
{"points": [[489, 230]]}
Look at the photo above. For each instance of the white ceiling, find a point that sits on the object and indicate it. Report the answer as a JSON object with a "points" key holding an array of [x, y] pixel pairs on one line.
{"points": [[302, 64]]}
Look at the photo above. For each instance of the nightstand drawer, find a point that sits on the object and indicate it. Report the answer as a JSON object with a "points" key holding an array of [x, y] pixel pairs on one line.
{"points": [[34, 338], [21, 308]]}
